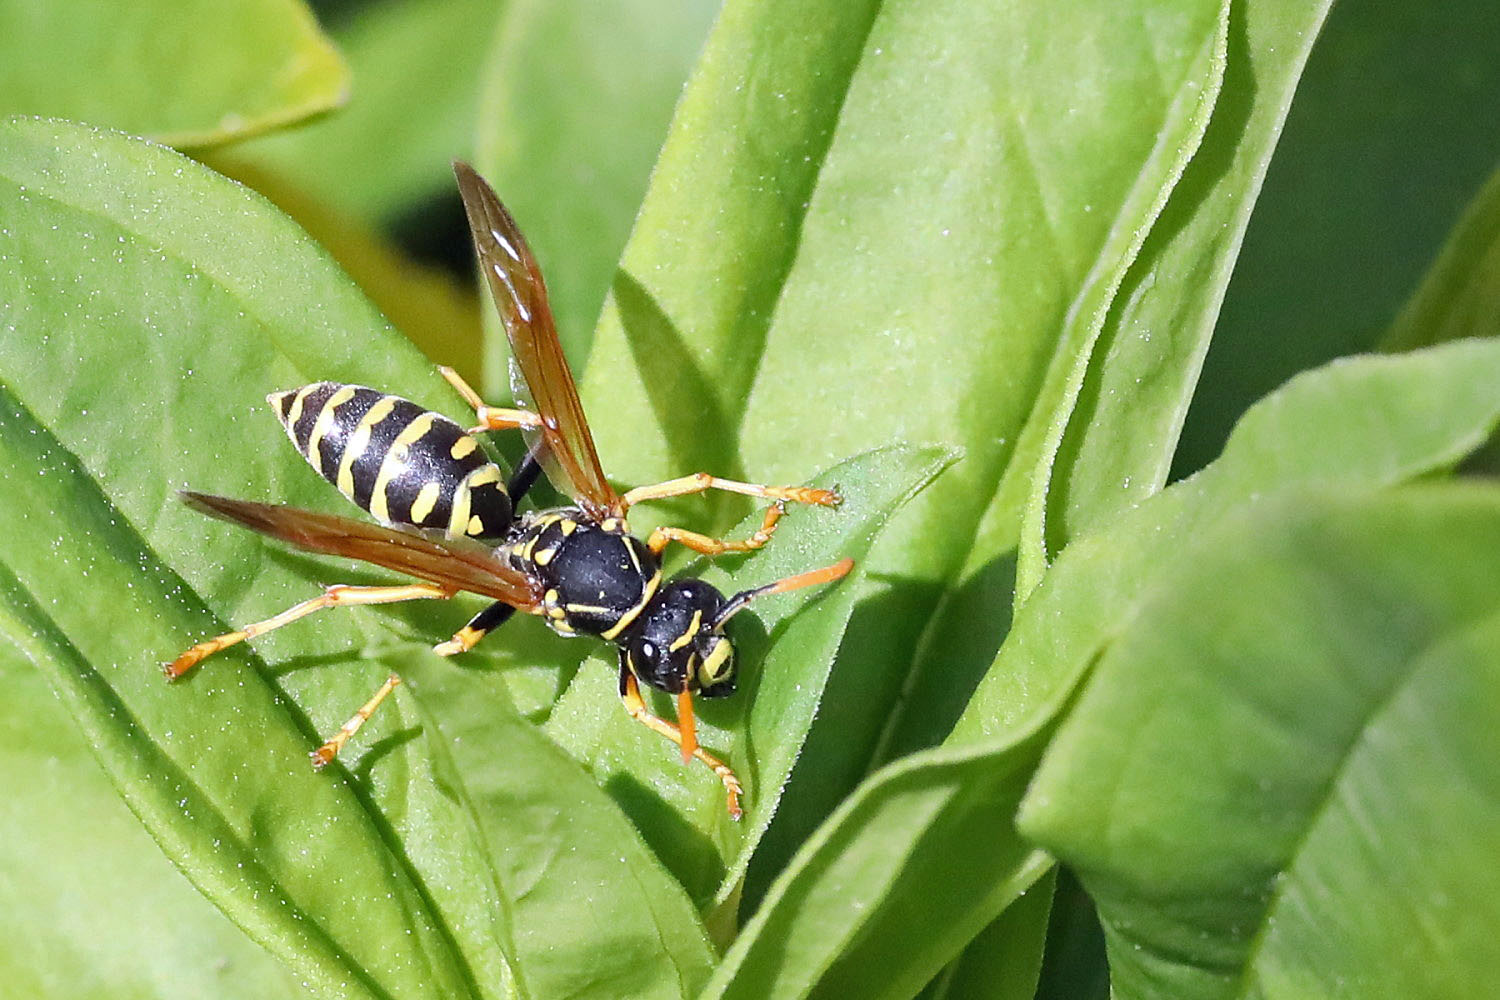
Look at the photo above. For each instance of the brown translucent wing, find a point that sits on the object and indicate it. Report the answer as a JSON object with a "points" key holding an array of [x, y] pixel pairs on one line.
{"points": [[458, 563], [521, 296]]}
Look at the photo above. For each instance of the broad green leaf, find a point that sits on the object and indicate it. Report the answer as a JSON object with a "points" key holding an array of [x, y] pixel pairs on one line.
{"points": [[1460, 297], [1392, 133], [1357, 425], [870, 911], [870, 223], [147, 307], [1280, 779], [125, 926], [785, 655], [184, 72], [592, 913], [415, 66], [1004, 962], [1116, 440], [430, 305], [574, 104]]}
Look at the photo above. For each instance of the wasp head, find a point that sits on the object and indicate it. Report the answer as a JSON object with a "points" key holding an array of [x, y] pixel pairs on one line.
{"points": [[678, 643]]}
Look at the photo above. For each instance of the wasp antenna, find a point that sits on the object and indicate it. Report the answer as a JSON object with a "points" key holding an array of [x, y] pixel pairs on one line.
{"points": [[811, 578]]}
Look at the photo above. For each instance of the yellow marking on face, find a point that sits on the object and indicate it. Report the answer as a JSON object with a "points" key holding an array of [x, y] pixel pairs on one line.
{"points": [[360, 440], [295, 412], [395, 461], [476, 526], [463, 447], [647, 592], [714, 665], [544, 557], [324, 423], [687, 635], [427, 498]]}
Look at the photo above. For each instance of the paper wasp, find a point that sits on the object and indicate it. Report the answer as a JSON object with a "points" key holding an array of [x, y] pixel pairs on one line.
{"points": [[448, 515]]}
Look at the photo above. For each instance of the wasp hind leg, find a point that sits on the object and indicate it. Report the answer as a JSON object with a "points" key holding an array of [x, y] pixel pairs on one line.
{"points": [[491, 418], [335, 596], [635, 707], [323, 756]]}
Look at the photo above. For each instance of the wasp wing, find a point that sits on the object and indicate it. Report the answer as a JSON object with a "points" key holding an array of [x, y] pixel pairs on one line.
{"points": [[520, 294], [456, 563]]}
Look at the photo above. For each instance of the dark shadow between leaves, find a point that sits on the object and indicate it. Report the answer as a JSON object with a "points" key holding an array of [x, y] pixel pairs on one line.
{"points": [[864, 721], [660, 825]]}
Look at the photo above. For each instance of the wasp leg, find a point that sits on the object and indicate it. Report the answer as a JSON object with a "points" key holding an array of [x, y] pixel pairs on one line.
{"points": [[491, 418], [661, 537], [699, 482], [524, 476], [338, 594], [630, 694], [479, 626], [324, 755]]}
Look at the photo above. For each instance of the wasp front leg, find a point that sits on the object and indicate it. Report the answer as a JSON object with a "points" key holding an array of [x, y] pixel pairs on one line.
{"points": [[660, 538], [700, 482], [684, 738]]}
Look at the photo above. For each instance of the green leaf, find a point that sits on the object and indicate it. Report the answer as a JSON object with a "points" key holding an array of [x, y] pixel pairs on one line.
{"points": [[1356, 425], [1004, 961], [785, 657], [573, 106], [948, 813], [415, 67], [1392, 133], [149, 306], [869, 911], [1122, 427], [123, 926], [869, 223], [1279, 781], [191, 73], [1460, 297]]}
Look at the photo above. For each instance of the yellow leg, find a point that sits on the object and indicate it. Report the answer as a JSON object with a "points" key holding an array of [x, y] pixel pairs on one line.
{"points": [[491, 418], [698, 482], [338, 594], [661, 537], [630, 695], [322, 756]]}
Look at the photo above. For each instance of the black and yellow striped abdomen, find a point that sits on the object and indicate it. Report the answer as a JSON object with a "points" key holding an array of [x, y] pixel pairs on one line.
{"points": [[402, 463]]}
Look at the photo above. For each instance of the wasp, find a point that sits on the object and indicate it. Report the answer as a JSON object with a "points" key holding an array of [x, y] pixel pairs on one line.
{"points": [[448, 515]]}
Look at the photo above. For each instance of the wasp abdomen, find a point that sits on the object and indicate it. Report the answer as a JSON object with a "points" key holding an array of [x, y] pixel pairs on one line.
{"points": [[402, 463]]}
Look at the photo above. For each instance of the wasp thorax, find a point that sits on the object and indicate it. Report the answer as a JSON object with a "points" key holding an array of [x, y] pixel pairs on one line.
{"points": [[676, 643]]}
